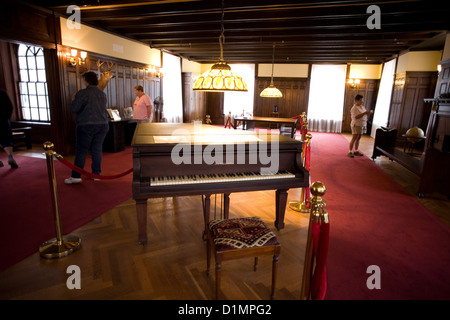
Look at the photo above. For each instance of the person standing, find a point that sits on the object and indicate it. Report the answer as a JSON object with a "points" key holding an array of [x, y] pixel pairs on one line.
{"points": [[6, 139], [143, 106], [359, 116], [89, 106]]}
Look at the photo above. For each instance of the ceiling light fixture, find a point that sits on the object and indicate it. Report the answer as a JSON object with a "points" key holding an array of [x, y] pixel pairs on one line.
{"points": [[220, 77], [271, 91]]}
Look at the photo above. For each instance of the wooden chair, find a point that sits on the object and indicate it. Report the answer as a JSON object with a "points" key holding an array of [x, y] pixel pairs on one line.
{"points": [[239, 238], [21, 137], [288, 131]]}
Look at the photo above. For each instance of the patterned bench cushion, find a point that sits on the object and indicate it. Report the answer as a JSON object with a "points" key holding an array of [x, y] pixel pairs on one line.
{"points": [[241, 233]]}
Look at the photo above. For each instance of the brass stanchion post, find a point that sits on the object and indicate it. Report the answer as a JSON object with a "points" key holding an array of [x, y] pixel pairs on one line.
{"points": [[300, 206], [317, 210], [60, 246]]}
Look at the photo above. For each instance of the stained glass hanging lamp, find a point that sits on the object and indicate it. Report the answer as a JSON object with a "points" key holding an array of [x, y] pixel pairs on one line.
{"points": [[220, 77], [271, 91]]}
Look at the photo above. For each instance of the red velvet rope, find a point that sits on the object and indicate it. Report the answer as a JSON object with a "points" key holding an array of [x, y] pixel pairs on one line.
{"points": [[229, 124], [91, 175], [321, 236]]}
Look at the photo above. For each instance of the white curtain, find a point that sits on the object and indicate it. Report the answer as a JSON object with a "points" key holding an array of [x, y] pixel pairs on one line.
{"points": [[381, 114], [326, 98], [172, 96], [236, 102]]}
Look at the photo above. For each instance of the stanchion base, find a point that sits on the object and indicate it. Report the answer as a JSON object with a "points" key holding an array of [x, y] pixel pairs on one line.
{"points": [[51, 249], [299, 207]]}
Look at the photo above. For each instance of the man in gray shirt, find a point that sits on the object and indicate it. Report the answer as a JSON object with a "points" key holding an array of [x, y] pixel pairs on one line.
{"points": [[89, 106]]}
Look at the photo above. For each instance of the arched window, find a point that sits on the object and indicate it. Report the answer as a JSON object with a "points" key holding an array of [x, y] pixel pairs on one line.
{"points": [[33, 84]]}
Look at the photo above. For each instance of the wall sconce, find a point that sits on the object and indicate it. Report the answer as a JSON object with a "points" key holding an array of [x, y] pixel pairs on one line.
{"points": [[152, 70], [73, 59], [353, 82]]}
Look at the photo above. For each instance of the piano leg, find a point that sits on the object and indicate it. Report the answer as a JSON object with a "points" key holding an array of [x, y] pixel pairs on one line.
{"points": [[280, 203], [226, 205], [206, 210], [141, 210]]}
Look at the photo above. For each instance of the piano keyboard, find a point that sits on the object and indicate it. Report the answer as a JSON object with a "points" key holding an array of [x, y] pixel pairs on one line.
{"points": [[216, 178]]}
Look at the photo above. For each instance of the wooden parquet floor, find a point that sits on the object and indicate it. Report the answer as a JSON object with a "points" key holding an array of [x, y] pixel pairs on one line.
{"points": [[172, 265]]}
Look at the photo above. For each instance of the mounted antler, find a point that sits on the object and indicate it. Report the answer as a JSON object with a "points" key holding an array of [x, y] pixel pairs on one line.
{"points": [[106, 73]]}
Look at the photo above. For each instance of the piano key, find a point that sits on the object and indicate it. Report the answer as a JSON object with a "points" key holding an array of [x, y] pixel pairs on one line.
{"points": [[216, 178]]}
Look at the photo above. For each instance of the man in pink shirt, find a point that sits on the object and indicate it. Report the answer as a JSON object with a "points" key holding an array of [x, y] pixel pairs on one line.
{"points": [[143, 106]]}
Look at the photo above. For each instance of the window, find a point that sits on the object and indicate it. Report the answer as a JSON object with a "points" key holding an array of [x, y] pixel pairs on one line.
{"points": [[381, 114], [241, 102], [173, 101], [33, 84], [326, 98]]}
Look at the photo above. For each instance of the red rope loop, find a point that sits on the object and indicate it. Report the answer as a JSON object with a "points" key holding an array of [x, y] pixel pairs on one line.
{"points": [[91, 175], [320, 237]]}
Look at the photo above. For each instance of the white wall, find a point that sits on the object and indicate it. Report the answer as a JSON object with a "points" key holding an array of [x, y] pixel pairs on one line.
{"points": [[419, 61], [94, 40], [365, 71], [190, 66], [283, 70], [446, 52]]}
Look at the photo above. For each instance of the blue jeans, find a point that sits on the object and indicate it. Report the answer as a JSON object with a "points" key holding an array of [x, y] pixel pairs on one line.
{"points": [[90, 137]]}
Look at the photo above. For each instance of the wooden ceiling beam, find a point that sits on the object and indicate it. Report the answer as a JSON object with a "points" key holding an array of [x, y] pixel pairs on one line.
{"points": [[304, 31]]}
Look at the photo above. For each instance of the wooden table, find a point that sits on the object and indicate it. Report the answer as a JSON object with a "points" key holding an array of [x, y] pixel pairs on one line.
{"points": [[287, 122], [119, 135]]}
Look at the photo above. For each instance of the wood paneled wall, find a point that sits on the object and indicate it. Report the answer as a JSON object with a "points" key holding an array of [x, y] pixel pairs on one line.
{"points": [[408, 108], [294, 101], [22, 21], [119, 91], [368, 88], [194, 102], [443, 85]]}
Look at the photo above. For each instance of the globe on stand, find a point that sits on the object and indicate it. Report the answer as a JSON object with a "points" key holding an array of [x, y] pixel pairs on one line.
{"points": [[414, 134]]}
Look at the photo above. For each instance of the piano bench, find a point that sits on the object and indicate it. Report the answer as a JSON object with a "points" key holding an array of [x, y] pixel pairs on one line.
{"points": [[240, 238]]}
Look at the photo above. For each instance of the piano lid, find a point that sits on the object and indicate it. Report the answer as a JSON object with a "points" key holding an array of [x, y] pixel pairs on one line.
{"points": [[192, 133]]}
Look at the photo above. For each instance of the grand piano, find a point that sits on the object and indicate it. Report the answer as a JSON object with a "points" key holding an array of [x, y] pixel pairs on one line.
{"points": [[194, 159]]}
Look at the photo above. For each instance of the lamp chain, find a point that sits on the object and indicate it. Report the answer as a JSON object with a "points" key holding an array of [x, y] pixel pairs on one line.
{"points": [[222, 31], [273, 61]]}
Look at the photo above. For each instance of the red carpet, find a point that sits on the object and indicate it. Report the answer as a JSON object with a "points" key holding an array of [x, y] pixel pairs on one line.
{"points": [[27, 219], [374, 221]]}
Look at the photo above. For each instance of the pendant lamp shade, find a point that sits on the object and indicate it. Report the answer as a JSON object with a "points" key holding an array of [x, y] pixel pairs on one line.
{"points": [[220, 77], [271, 91]]}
